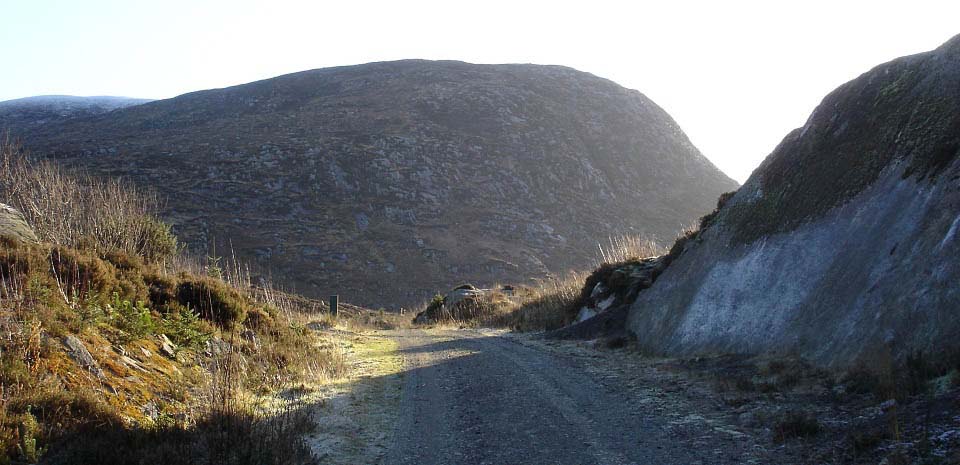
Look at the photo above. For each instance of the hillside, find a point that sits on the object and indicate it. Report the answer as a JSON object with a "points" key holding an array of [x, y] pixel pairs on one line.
{"points": [[842, 245], [116, 349], [20, 115], [383, 182]]}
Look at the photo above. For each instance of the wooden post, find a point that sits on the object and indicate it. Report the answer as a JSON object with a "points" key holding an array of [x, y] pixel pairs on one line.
{"points": [[334, 305]]}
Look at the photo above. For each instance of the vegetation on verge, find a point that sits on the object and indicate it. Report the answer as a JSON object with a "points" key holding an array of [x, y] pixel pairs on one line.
{"points": [[116, 348], [546, 305]]}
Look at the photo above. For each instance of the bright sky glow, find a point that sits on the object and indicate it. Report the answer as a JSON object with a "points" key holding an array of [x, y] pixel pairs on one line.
{"points": [[737, 76]]}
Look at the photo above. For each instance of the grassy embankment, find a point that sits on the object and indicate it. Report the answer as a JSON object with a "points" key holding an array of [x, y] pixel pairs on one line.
{"points": [[108, 274]]}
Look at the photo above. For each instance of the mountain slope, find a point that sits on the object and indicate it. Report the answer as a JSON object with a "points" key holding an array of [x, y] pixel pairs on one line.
{"points": [[20, 115], [842, 245], [386, 181]]}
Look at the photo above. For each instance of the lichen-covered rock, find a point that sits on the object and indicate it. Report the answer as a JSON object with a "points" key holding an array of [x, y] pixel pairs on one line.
{"points": [[461, 303], [13, 225], [77, 351], [617, 284], [843, 244], [606, 296], [167, 347]]}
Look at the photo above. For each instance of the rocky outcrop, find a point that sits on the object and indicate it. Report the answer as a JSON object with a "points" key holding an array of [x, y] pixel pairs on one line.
{"points": [[461, 303], [614, 285], [843, 244], [167, 347], [77, 351], [385, 181], [13, 225], [607, 295]]}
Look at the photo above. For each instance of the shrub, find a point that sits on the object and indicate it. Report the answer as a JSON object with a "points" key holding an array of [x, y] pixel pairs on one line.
{"points": [[132, 318], [81, 211], [79, 274], [796, 425], [161, 288], [156, 241], [83, 276], [185, 328], [214, 300], [549, 305], [436, 302], [259, 318]]}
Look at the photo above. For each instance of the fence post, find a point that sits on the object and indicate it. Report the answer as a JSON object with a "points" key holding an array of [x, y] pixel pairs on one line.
{"points": [[334, 305]]}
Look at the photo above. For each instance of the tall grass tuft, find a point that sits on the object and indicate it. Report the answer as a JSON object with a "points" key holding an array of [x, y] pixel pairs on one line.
{"points": [[628, 247], [546, 306]]}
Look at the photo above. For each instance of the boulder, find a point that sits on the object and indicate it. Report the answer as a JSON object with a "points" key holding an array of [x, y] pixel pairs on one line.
{"points": [[167, 347], [216, 347], [460, 294], [13, 225], [456, 304], [614, 285], [79, 353]]}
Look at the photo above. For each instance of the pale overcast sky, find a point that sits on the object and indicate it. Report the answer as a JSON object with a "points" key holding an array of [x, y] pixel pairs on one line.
{"points": [[737, 76]]}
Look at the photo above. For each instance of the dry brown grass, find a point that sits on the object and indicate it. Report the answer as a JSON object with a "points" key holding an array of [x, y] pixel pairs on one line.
{"points": [[106, 271], [266, 351], [624, 248], [543, 306], [547, 304]]}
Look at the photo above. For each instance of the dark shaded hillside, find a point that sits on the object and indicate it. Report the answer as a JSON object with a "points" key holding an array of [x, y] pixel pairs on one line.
{"points": [[842, 246], [20, 115], [386, 181]]}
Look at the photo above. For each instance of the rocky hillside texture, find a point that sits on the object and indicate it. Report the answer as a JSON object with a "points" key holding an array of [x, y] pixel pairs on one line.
{"points": [[20, 115], [384, 181], [843, 244]]}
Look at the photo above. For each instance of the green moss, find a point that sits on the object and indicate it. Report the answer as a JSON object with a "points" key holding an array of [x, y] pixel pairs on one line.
{"points": [[893, 88], [941, 157], [891, 115]]}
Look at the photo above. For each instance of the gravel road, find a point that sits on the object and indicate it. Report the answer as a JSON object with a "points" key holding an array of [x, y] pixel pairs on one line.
{"points": [[476, 397]]}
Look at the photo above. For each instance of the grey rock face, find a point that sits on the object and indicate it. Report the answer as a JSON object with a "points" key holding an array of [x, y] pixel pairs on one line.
{"points": [[448, 171], [79, 353], [167, 347], [843, 244], [13, 225]]}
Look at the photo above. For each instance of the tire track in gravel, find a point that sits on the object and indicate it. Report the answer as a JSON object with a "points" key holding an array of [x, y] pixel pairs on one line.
{"points": [[470, 397]]}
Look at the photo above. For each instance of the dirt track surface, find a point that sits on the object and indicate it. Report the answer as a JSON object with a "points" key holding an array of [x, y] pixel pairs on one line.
{"points": [[481, 397]]}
